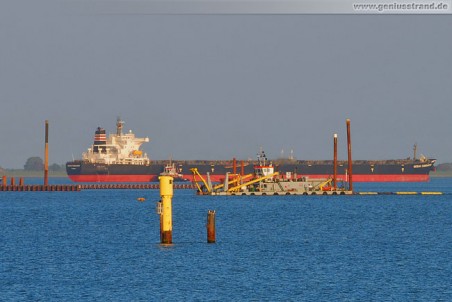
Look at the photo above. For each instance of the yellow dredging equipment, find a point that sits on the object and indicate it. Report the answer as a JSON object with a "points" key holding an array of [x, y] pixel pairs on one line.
{"points": [[205, 187]]}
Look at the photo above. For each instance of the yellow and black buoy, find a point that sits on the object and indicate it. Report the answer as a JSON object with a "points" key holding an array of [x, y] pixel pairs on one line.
{"points": [[166, 220]]}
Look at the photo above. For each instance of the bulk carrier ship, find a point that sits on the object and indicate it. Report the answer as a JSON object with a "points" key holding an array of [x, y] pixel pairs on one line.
{"points": [[119, 158]]}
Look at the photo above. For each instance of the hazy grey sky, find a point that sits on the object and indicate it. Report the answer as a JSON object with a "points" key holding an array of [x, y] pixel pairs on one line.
{"points": [[222, 86]]}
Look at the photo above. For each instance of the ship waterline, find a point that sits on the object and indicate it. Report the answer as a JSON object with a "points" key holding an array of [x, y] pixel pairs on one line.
{"points": [[362, 171]]}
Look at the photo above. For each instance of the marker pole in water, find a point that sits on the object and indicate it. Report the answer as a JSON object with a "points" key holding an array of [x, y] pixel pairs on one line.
{"points": [[210, 226], [349, 144], [335, 162], [166, 216], [46, 155]]}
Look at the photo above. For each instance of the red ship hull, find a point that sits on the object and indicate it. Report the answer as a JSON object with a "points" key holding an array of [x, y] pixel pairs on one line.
{"points": [[220, 178], [113, 178]]}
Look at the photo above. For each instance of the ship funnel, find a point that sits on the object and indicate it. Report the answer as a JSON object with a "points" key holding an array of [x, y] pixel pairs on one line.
{"points": [[100, 140]]}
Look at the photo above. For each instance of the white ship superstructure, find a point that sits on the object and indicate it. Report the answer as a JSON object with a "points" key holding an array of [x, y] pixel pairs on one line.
{"points": [[119, 148]]}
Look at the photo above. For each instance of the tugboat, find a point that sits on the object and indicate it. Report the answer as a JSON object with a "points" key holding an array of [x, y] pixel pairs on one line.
{"points": [[171, 170]]}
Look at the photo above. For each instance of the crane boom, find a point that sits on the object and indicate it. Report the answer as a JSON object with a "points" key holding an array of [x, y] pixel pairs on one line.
{"points": [[253, 181], [237, 179], [195, 182]]}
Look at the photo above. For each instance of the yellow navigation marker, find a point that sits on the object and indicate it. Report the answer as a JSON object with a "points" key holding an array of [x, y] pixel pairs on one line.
{"points": [[166, 215]]}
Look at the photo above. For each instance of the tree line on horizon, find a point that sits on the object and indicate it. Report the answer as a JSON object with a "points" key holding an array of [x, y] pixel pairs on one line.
{"points": [[36, 163], [444, 167]]}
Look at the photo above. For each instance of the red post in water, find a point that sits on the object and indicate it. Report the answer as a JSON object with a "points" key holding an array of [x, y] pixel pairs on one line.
{"points": [[349, 144], [210, 226]]}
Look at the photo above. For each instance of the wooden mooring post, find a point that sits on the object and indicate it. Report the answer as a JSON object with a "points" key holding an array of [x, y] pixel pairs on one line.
{"points": [[210, 226], [350, 163], [46, 154]]}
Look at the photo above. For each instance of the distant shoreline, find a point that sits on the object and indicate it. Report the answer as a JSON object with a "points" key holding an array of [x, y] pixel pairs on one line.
{"points": [[441, 174], [23, 173]]}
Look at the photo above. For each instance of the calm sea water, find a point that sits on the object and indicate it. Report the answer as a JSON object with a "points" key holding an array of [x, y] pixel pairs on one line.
{"points": [[104, 246]]}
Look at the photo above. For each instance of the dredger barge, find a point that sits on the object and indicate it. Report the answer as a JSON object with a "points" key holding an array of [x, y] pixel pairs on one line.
{"points": [[265, 181]]}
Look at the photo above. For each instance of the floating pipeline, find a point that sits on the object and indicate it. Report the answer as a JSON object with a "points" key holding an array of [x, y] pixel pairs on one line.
{"points": [[132, 186], [400, 193], [70, 188]]}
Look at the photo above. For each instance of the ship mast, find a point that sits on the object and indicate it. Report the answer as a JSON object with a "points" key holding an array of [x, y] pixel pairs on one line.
{"points": [[261, 158], [414, 151], [119, 125]]}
